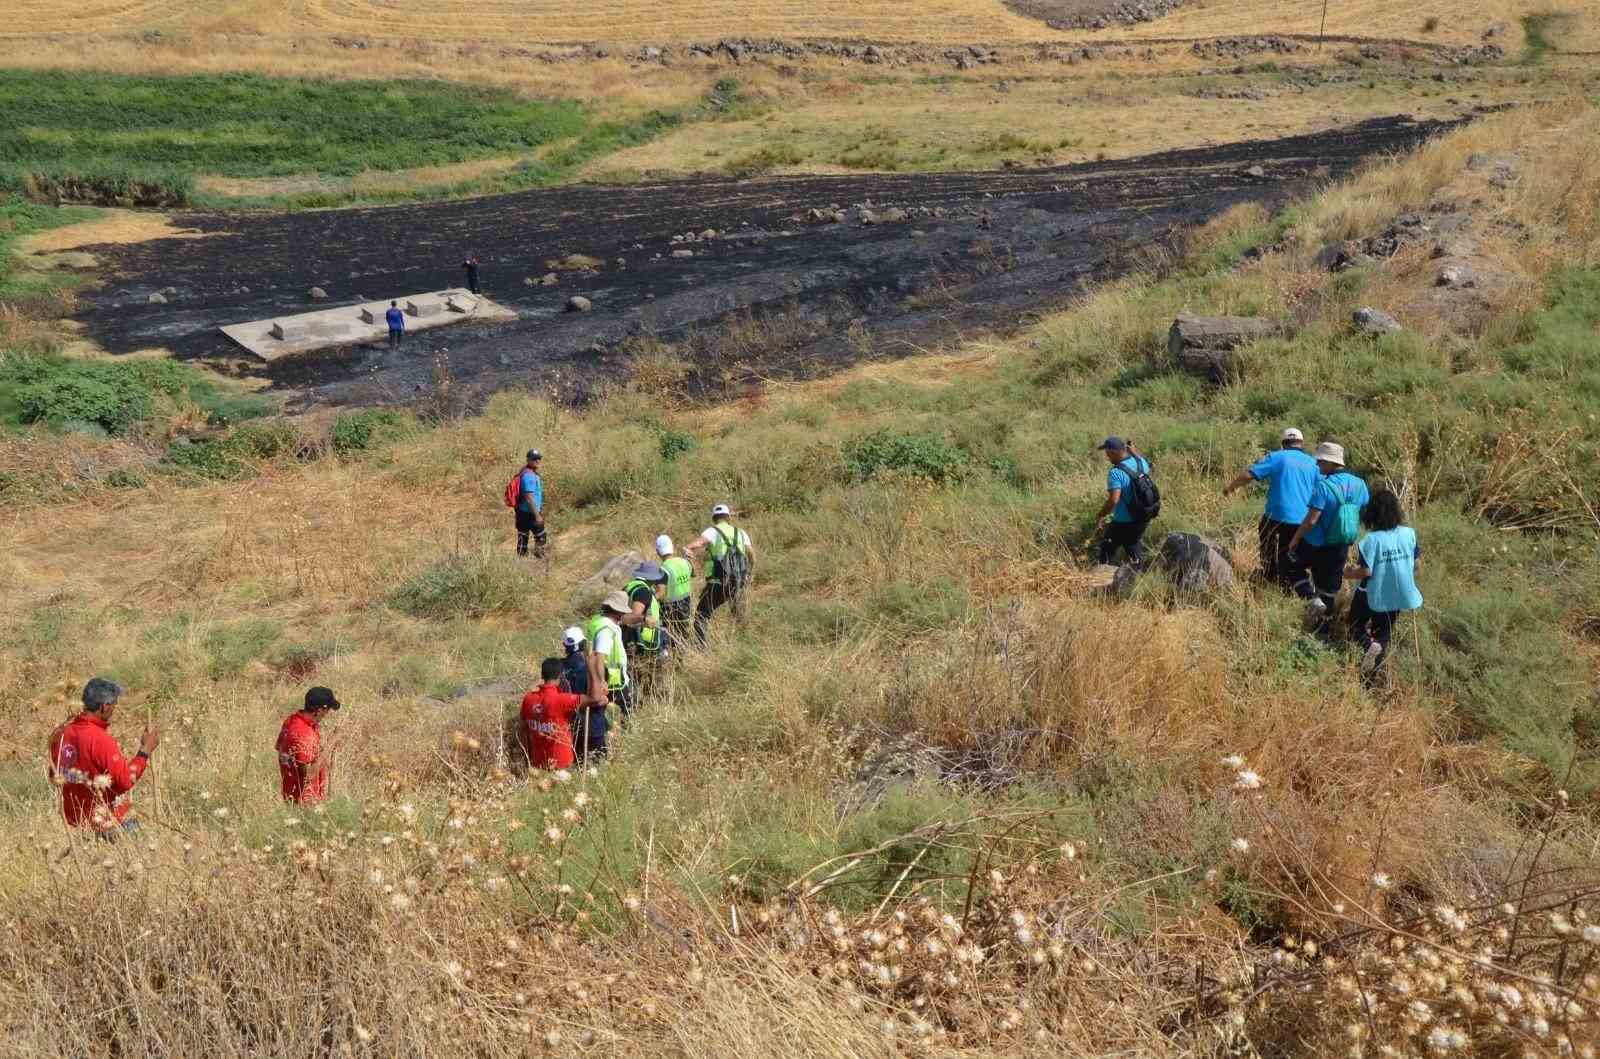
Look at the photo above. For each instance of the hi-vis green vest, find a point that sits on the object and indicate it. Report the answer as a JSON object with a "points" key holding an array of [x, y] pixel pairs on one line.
{"points": [[726, 540], [616, 660], [647, 636], [680, 577]]}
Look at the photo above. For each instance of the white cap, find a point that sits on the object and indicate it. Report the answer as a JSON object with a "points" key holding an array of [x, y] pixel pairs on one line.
{"points": [[720, 509], [573, 637], [663, 545], [1293, 434], [1328, 452]]}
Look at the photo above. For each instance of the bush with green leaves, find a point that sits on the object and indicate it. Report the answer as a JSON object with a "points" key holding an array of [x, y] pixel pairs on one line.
{"points": [[368, 428], [918, 455]]}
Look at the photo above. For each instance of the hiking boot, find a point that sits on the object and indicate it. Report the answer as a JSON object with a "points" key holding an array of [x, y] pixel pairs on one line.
{"points": [[1316, 613], [1370, 660]]}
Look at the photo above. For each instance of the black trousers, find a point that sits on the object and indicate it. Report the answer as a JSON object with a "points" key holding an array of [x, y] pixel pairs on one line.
{"points": [[394, 338], [1319, 572], [529, 524], [472, 280], [714, 596], [1368, 627], [677, 615], [1125, 536], [1274, 537]]}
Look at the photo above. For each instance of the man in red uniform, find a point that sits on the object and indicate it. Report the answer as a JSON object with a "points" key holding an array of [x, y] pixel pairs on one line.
{"points": [[88, 766], [303, 760], [547, 713]]}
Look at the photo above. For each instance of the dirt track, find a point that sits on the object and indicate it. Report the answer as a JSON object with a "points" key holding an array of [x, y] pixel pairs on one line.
{"points": [[980, 250]]}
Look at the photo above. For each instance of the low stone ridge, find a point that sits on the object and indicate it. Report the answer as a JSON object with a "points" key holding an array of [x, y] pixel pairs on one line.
{"points": [[1204, 345]]}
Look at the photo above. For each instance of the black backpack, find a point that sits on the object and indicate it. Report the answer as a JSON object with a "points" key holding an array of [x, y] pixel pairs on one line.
{"points": [[1142, 497]]}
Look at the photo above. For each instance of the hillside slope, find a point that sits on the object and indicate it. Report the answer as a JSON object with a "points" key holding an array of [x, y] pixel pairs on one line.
{"points": [[937, 795]]}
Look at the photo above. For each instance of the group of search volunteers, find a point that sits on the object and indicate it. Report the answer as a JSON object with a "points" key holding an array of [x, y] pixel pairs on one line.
{"points": [[608, 666], [1315, 511]]}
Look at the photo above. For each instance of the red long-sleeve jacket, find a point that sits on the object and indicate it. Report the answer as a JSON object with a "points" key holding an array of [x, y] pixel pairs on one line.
{"points": [[94, 777]]}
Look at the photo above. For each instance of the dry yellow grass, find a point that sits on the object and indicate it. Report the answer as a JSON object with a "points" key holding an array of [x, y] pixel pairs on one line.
{"points": [[522, 21], [1458, 22], [628, 21], [107, 226]]}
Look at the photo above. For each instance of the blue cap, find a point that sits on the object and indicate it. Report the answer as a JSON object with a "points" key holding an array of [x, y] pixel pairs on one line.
{"points": [[1113, 443], [650, 572]]}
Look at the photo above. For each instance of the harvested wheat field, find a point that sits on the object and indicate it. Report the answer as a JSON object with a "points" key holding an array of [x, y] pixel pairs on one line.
{"points": [[630, 22]]}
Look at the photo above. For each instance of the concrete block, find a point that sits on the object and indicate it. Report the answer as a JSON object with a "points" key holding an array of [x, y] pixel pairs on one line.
{"points": [[287, 331], [368, 316], [461, 303]]}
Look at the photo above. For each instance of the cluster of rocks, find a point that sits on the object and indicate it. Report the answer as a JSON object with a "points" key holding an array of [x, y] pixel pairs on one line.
{"points": [[1249, 92], [1483, 53], [866, 214], [1122, 13], [1240, 47], [1436, 229]]}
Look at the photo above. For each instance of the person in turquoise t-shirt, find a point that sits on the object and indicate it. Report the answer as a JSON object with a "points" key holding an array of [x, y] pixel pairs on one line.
{"points": [[1321, 543], [1390, 559], [1291, 477]]}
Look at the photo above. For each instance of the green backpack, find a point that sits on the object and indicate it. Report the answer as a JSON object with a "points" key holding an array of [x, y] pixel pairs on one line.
{"points": [[1346, 521]]}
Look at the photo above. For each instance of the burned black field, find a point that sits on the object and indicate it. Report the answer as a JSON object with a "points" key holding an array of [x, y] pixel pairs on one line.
{"points": [[832, 269]]}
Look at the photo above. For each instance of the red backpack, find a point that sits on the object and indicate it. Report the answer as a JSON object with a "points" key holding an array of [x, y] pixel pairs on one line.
{"points": [[514, 489]]}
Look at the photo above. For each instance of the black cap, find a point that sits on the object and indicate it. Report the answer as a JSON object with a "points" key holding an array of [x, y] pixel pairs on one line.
{"points": [[533, 454], [321, 699]]}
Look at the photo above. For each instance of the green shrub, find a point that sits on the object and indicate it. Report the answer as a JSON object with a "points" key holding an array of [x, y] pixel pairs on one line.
{"points": [[921, 455], [674, 443], [49, 389], [464, 586], [232, 647], [369, 428]]}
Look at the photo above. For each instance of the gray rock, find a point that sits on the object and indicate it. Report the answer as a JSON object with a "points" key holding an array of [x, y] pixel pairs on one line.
{"points": [[157, 298], [317, 294], [709, 233], [529, 281], [1457, 277], [1375, 321], [549, 279], [1195, 564], [612, 575], [579, 304], [169, 291], [682, 253], [1205, 345], [1256, 172]]}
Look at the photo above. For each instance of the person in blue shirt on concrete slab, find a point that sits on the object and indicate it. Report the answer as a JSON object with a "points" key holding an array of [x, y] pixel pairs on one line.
{"points": [[530, 508], [397, 324], [1389, 560], [1125, 529], [1291, 476], [1321, 543]]}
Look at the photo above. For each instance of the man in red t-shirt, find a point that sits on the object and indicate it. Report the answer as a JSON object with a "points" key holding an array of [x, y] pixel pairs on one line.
{"points": [[88, 766], [303, 761], [547, 713]]}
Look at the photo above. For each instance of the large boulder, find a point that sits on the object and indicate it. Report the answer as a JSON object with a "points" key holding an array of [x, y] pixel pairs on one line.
{"points": [[1204, 345], [1191, 562], [612, 575], [1370, 321]]}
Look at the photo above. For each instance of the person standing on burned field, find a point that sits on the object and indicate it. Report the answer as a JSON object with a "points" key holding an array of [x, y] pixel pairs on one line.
{"points": [[470, 266]]}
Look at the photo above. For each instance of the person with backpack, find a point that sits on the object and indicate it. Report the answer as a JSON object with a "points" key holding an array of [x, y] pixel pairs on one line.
{"points": [[677, 605], [1389, 560], [397, 324], [1321, 543], [733, 561], [1291, 476], [589, 737], [1132, 501], [525, 497]]}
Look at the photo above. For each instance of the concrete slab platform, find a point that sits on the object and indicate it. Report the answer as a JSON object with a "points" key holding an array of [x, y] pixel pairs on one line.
{"points": [[350, 325]]}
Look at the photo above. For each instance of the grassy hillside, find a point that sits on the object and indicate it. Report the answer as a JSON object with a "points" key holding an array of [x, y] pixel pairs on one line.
{"points": [[937, 795]]}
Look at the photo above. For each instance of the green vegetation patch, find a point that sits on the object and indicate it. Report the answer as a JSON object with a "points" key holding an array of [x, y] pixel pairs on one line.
{"points": [[105, 137], [107, 395]]}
